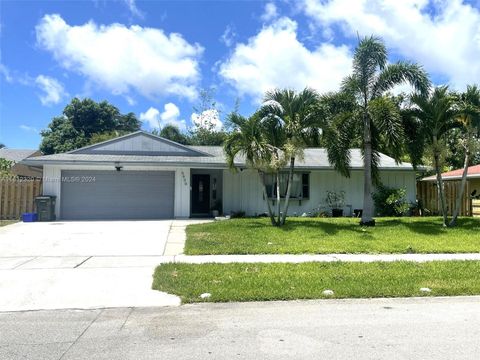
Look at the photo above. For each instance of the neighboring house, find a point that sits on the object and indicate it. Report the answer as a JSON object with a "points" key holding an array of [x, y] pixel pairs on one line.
{"points": [[17, 155], [473, 178], [142, 176]]}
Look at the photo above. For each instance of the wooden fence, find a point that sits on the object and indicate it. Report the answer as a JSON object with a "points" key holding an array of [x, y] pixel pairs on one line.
{"points": [[427, 193], [476, 208], [17, 196]]}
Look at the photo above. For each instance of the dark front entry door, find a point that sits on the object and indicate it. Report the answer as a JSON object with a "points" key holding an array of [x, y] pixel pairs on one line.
{"points": [[200, 194]]}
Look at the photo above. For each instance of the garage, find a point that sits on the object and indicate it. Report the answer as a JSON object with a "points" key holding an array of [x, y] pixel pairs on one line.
{"points": [[116, 195]]}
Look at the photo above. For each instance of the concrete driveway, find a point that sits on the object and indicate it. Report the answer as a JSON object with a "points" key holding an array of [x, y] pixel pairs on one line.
{"points": [[84, 264]]}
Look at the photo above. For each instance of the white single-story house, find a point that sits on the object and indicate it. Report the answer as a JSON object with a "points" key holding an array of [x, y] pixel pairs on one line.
{"points": [[143, 176]]}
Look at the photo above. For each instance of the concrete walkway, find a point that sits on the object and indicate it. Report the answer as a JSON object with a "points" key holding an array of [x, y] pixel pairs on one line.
{"points": [[177, 236], [295, 259]]}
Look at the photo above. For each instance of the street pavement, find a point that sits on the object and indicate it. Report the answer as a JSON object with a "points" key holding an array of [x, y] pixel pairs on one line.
{"points": [[415, 328]]}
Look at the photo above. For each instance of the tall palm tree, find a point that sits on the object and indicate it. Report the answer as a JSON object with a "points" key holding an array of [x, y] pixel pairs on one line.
{"points": [[374, 114], [292, 119], [430, 118], [469, 118]]}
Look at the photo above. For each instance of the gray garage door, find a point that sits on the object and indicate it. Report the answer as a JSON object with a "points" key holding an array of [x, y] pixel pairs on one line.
{"points": [[109, 195]]}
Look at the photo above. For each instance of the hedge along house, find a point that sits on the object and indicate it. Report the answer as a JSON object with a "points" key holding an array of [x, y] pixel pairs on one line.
{"points": [[143, 176]]}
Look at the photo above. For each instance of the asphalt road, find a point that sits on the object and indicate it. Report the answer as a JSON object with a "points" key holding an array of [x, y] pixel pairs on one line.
{"points": [[426, 328]]}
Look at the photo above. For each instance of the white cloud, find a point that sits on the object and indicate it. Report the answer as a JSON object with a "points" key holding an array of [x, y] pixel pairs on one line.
{"points": [[276, 58], [270, 12], [157, 119], [6, 73], [122, 59], [228, 36], [208, 118], [132, 6], [28, 128], [442, 35], [52, 89]]}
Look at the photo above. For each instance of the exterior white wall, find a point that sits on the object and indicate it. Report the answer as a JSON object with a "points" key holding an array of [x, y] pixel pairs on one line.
{"points": [[52, 183], [242, 191]]}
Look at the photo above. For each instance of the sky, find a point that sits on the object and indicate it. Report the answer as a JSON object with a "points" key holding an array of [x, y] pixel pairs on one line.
{"points": [[153, 58]]}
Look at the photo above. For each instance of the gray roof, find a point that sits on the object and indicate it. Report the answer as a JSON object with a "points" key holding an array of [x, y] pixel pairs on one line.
{"points": [[16, 154], [314, 158]]}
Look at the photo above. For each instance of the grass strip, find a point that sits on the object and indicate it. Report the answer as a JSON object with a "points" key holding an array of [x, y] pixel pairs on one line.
{"points": [[263, 282]]}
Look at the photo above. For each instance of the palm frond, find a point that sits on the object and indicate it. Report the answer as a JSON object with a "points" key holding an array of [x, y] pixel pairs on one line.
{"points": [[400, 73]]}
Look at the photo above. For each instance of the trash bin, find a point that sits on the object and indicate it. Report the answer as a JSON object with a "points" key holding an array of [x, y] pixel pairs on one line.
{"points": [[45, 208], [29, 217]]}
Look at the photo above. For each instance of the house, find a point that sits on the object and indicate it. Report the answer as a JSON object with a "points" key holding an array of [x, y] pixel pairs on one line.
{"points": [[143, 176], [17, 155]]}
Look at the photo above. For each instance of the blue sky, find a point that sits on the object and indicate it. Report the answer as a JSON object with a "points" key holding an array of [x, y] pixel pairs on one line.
{"points": [[153, 57]]}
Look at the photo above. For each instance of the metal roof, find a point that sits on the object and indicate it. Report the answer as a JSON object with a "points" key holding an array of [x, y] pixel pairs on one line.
{"points": [[314, 158], [473, 172]]}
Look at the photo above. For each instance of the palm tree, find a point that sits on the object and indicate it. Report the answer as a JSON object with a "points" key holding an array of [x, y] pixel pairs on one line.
{"points": [[293, 120], [375, 115], [469, 118], [429, 119], [250, 139]]}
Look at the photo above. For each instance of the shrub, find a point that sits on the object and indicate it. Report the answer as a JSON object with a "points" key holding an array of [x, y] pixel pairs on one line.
{"points": [[390, 201]]}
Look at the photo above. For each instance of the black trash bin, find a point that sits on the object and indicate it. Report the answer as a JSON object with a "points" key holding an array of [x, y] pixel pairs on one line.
{"points": [[45, 207]]}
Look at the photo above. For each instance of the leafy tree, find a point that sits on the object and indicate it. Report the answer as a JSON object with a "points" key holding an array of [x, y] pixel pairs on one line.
{"points": [[207, 116], [100, 137], [428, 121], [5, 167], [469, 118], [2, 146], [373, 119], [172, 132], [80, 121]]}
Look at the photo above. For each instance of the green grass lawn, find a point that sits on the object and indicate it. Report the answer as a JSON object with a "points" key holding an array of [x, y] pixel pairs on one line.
{"points": [[333, 235], [260, 282], [7, 222]]}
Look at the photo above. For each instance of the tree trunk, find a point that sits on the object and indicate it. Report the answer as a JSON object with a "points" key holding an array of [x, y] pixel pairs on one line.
{"points": [[289, 190], [440, 189], [267, 199], [367, 213], [458, 202], [278, 199]]}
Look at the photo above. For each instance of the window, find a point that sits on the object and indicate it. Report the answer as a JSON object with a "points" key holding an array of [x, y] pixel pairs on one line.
{"points": [[300, 185]]}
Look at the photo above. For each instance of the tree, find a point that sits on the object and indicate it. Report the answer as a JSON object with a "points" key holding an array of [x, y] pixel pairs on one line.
{"points": [[206, 121], [2, 146], [250, 138], [80, 121], [469, 118], [5, 166], [428, 120], [293, 119], [172, 132], [374, 115]]}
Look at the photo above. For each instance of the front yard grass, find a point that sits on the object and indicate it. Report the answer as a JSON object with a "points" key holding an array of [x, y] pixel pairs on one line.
{"points": [[262, 282], [333, 235]]}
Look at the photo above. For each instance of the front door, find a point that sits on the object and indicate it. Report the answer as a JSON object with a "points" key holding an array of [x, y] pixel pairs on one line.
{"points": [[200, 194]]}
